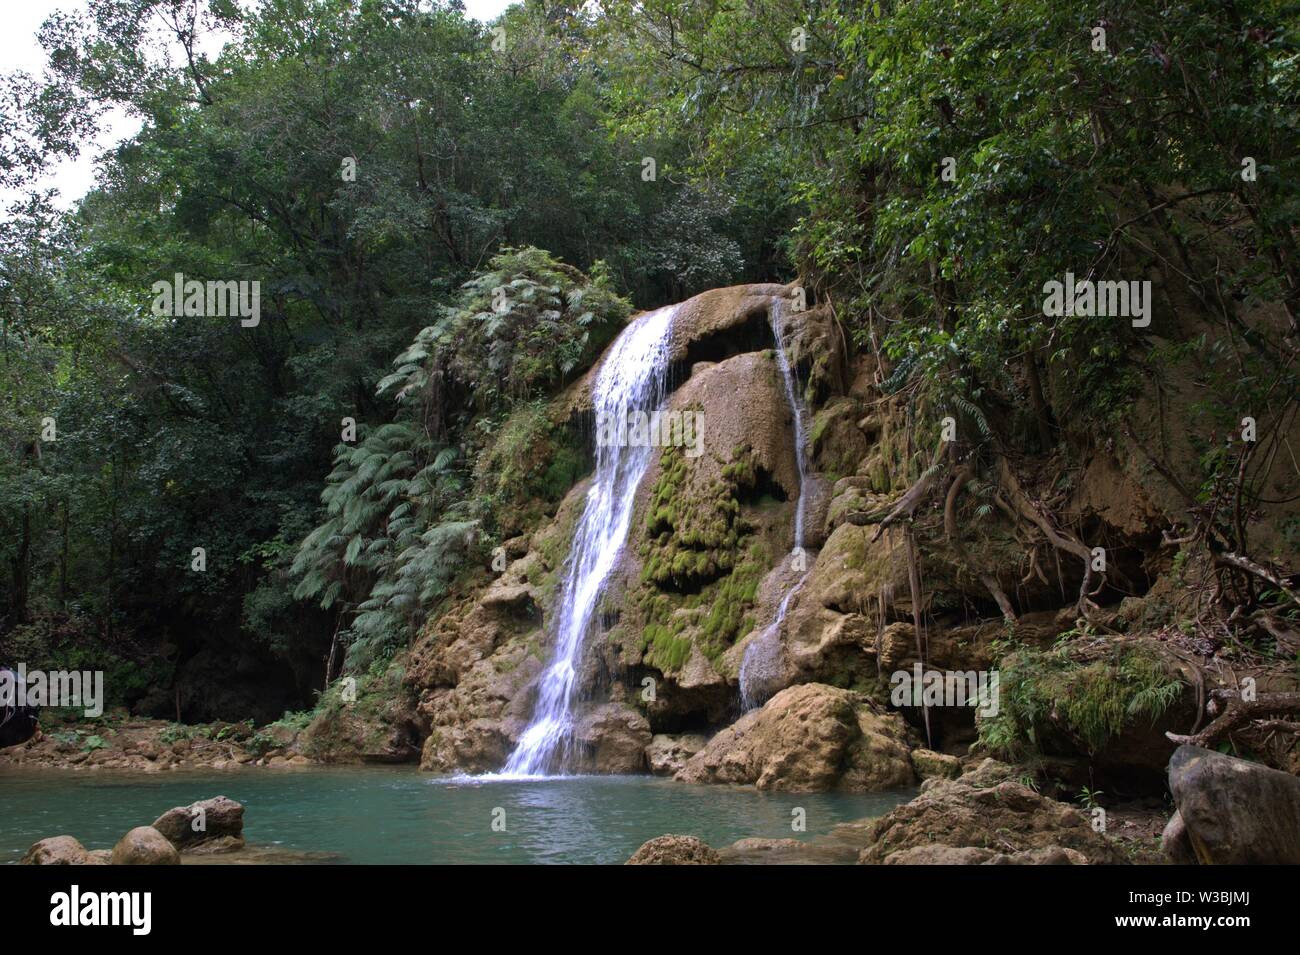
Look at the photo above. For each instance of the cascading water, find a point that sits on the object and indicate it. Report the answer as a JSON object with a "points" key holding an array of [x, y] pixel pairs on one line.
{"points": [[761, 664], [632, 379]]}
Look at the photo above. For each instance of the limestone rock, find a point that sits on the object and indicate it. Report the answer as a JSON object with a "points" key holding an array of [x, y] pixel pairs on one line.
{"points": [[986, 809], [675, 850], [1175, 843], [145, 845], [613, 738], [808, 738], [56, 850], [1235, 812], [940, 855], [666, 754], [221, 820], [928, 763]]}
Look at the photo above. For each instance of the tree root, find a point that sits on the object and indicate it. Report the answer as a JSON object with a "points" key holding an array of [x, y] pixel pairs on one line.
{"points": [[1228, 559], [912, 497], [1058, 539], [1239, 712], [959, 481]]}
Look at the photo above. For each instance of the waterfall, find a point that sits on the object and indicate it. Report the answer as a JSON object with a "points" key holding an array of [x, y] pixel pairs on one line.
{"points": [[631, 378], [760, 665]]}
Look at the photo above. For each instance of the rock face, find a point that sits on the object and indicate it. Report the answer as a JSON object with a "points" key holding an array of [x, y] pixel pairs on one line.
{"points": [[382, 725], [808, 738], [56, 850], [675, 850], [985, 810], [667, 754], [1234, 812], [613, 738], [928, 764], [210, 826], [144, 845]]}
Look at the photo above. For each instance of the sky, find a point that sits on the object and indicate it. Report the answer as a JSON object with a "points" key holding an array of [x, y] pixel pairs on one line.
{"points": [[19, 50]]}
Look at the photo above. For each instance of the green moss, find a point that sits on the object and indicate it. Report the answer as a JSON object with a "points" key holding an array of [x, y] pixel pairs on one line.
{"points": [[1091, 701], [530, 463]]}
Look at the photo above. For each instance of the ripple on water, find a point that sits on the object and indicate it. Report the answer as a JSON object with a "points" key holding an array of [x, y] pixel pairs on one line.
{"points": [[398, 815]]}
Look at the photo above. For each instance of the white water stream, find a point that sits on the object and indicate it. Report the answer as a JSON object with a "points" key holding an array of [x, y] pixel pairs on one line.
{"points": [[761, 664], [632, 379]]}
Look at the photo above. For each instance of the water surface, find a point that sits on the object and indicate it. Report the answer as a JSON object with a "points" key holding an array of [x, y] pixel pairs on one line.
{"points": [[398, 815]]}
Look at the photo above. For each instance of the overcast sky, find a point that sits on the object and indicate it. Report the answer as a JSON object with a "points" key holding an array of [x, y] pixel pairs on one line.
{"points": [[20, 51]]}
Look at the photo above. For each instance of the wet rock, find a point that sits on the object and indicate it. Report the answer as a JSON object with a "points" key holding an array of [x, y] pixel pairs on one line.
{"points": [[1235, 812], [56, 850], [209, 825], [145, 845], [808, 738], [675, 850], [614, 738]]}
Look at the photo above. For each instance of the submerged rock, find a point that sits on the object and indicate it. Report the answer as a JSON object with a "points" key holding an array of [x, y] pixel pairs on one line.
{"points": [[675, 850], [988, 811], [1232, 811], [145, 845], [808, 738]]}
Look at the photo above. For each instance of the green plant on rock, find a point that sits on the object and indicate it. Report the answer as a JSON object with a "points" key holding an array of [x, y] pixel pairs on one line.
{"points": [[1091, 701], [471, 449]]}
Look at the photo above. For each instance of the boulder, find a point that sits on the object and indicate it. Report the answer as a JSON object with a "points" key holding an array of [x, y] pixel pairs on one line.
{"points": [[145, 845], [613, 738], [940, 855], [929, 764], [675, 850], [1175, 843], [808, 738], [210, 825], [56, 850], [1235, 812], [986, 809]]}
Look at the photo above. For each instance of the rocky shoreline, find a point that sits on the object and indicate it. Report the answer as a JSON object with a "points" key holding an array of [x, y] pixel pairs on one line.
{"points": [[152, 746], [1228, 811]]}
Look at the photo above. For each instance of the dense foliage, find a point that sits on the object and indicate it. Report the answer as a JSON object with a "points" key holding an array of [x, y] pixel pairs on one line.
{"points": [[361, 160], [389, 170]]}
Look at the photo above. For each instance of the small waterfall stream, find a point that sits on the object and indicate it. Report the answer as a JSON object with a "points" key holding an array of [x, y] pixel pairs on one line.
{"points": [[761, 664], [632, 378]]}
